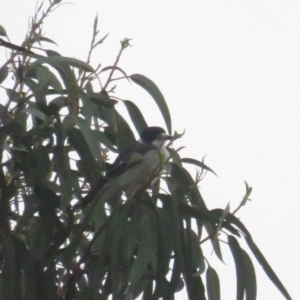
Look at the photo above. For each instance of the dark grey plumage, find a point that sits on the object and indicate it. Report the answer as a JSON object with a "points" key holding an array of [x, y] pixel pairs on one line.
{"points": [[137, 165]]}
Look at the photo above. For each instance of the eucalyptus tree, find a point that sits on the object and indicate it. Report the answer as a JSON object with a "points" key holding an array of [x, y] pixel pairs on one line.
{"points": [[62, 236]]}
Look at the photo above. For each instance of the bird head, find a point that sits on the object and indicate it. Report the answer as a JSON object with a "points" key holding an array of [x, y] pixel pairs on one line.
{"points": [[155, 135]]}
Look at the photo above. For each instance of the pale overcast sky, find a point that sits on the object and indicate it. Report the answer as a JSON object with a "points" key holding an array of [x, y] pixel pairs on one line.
{"points": [[230, 72]]}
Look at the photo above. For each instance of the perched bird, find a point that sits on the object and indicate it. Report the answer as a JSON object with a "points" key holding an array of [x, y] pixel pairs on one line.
{"points": [[135, 168], [138, 165]]}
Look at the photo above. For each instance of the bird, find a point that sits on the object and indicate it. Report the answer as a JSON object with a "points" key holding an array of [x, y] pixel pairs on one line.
{"points": [[139, 165], [135, 168]]}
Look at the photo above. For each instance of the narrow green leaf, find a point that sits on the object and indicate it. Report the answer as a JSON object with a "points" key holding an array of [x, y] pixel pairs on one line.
{"points": [[101, 40], [77, 234], [181, 181], [66, 73], [115, 68], [212, 231], [114, 234], [99, 220], [95, 276], [43, 77], [141, 286], [45, 39], [129, 238], [88, 136], [2, 290], [239, 266], [190, 187], [255, 250], [89, 109], [195, 254], [165, 245], [164, 288], [197, 163], [250, 277], [195, 288], [223, 217], [136, 116], [102, 138], [156, 94], [29, 282], [45, 281], [39, 95], [41, 164], [88, 162], [103, 99], [194, 197], [148, 291], [62, 163], [147, 246], [165, 239], [33, 110], [212, 284], [176, 222], [176, 159], [107, 114], [266, 267], [9, 270], [5, 115], [3, 73], [231, 229], [14, 129], [188, 211], [55, 83], [180, 286], [55, 61], [42, 235], [2, 31], [125, 136]]}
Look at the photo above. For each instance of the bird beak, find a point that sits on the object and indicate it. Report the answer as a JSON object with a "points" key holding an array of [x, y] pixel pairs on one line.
{"points": [[165, 136]]}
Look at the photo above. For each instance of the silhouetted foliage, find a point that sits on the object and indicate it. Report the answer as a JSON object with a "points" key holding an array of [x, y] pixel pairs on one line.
{"points": [[62, 236]]}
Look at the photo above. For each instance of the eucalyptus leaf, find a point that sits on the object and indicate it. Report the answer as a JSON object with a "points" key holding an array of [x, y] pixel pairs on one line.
{"points": [[147, 247], [136, 116], [63, 67], [2, 31], [43, 77], [33, 110], [255, 250], [250, 277], [45, 39], [3, 73], [238, 257], [212, 284], [197, 163], [114, 68], [88, 136], [125, 136], [195, 288], [194, 253], [9, 270], [102, 138], [57, 61], [78, 141], [156, 94], [102, 98]]}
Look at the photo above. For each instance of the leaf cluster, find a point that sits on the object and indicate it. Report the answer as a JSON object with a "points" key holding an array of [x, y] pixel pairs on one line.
{"points": [[63, 234]]}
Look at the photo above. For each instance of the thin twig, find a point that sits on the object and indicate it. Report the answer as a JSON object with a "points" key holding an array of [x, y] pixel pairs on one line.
{"points": [[124, 45], [245, 198]]}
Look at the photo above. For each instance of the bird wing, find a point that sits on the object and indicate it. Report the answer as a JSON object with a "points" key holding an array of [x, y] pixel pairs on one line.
{"points": [[128, 158]]}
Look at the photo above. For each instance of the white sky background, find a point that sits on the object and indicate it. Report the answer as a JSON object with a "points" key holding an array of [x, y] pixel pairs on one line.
{"points": [[230, 72]]}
